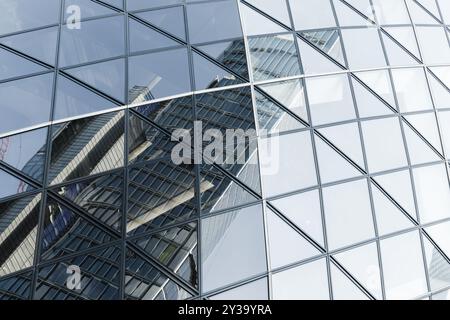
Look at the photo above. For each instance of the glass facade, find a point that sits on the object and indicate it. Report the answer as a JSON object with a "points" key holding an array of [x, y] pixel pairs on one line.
{"points": [[341, 190]]}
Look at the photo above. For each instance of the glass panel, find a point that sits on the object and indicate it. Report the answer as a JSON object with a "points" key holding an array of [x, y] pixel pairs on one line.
{"points": [[144, 282], [274, 8], [17, 287], [330, 99], [403, 268], [288, 163], [363, 48], [256, 290], [86, 146], [88, 9], [25, 102], [176, 249], [100, 277], [343, 287], [18, 230], [100, 197], [348, 214], [73, 100], [437, 265], [66, 232], [213, 21], [26, 152], [411, 89], [433, 193], [145, 38], [97, 39], [273, 57], [145, 4], [383, 137], [170, 20], [439, 234], [434, 44], [391, 12], [11, 185], [362, 264], [305, 14], [286, 245], [160, 193], [328, 41], [40, 44], [307, 282], [157, 75], [18, 15], [231, 249], [304, 210], [15, 66], [255, 23], [108, 77]]}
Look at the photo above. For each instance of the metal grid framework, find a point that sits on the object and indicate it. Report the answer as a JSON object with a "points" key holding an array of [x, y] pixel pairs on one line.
{"points": [[354, 203]]}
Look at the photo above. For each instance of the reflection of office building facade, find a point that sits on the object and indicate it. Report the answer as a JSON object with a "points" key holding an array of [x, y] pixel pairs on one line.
{"points": [[338, 206]]}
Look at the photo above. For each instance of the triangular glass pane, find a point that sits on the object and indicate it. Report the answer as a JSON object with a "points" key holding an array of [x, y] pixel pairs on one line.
{"points": [[145, 38], [286, 245], [420, 16], [100, 276], [362, 264], [148, 209], [172, 114], [231, 54], [438, 266], [333, 167], [430, 5], [274, 8], [143, 281], [256, 24], [343, 287], [40, 44], [328, 41], [290, 94], [219, 192], [176, 249], [304, 211], [158, 74], [439, 234], [426, 125], [11, 185], [73, 154], [398, 187], [210, 75], [101, 197], [368, 104], [443, 74], [313, 61], [305, 282], [379, 81], [419, 151], [440, 93], [348, 17], [272, 118], [108, 77], [256, 290], [74, 100], [25, 102], [266, 49], [363, 6], [389, 217], [397, 56], [67, 232], [19, 227], [170, 20], [346, 138], [16, 66], [405, 36], [114, 3], [26, 152], [17, 287], [88, 9]]}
